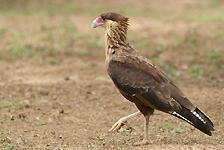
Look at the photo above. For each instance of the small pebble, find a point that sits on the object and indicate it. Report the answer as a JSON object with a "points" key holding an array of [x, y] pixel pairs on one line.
{"points": [[36, 135], [22, 115], [52, 132], [61, 111], [54, 97], [26, 103], [12, 118], [43, 92], [67, 78]]}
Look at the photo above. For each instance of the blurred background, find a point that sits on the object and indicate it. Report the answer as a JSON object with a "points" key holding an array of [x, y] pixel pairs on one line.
{"points": [[47, 30], [53, 73]]}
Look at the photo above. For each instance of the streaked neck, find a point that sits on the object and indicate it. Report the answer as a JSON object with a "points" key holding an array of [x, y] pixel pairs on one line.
{"points": [[115, 37]]}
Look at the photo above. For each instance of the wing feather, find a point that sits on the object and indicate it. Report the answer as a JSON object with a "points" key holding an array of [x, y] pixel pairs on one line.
{"points": [[139, 80]]}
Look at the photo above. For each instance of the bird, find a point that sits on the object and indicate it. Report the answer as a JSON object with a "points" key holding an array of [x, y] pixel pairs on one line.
{"points": [[142, 82]]}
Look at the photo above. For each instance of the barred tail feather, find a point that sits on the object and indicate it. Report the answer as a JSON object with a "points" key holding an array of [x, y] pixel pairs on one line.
{"points": [[196, 118]]}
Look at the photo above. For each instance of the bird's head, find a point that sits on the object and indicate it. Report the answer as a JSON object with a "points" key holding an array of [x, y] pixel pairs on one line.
{"points": [[116, 27], [110, 19]]}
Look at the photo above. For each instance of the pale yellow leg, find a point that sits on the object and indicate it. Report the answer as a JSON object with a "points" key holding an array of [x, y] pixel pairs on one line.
{"points": [[146, 139], [123, 121]]}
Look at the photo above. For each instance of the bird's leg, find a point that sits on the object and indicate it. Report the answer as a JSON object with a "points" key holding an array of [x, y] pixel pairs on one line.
{"points": [[123, 121], [145, 140]]}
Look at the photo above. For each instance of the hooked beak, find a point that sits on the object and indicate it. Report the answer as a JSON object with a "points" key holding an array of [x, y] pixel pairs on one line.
{"points": [[98, 22], [94, 24]]}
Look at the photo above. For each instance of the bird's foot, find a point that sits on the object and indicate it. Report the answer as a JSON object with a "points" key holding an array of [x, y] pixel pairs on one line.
{"points": [[119, 124], [144, 142]]}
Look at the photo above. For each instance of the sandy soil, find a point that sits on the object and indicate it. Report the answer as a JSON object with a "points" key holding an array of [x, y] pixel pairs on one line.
{"points": [[72, 103]]}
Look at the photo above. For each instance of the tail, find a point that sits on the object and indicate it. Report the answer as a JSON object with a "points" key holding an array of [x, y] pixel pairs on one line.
{"points": [[196, 118]]}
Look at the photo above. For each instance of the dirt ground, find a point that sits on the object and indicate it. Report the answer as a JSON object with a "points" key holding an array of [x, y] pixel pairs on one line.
{"points": [[54, 89]]}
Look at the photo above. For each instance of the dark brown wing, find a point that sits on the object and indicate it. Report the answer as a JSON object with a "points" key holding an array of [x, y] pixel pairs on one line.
{"points": [[143, 83], [147, 84]]}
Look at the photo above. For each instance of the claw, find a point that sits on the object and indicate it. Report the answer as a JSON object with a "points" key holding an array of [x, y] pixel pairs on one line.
{"points": [[144, 142], [123, 121], [118, 125]]}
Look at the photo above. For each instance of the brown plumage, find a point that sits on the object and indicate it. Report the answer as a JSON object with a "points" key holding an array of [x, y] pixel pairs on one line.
{"points": [[142, 82]]}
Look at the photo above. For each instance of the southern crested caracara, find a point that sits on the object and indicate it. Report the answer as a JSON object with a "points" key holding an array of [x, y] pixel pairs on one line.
{"points": [[142, 82]]}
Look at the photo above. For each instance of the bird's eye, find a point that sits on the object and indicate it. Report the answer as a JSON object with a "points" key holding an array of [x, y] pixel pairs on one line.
{"points": [[103, 18]]}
